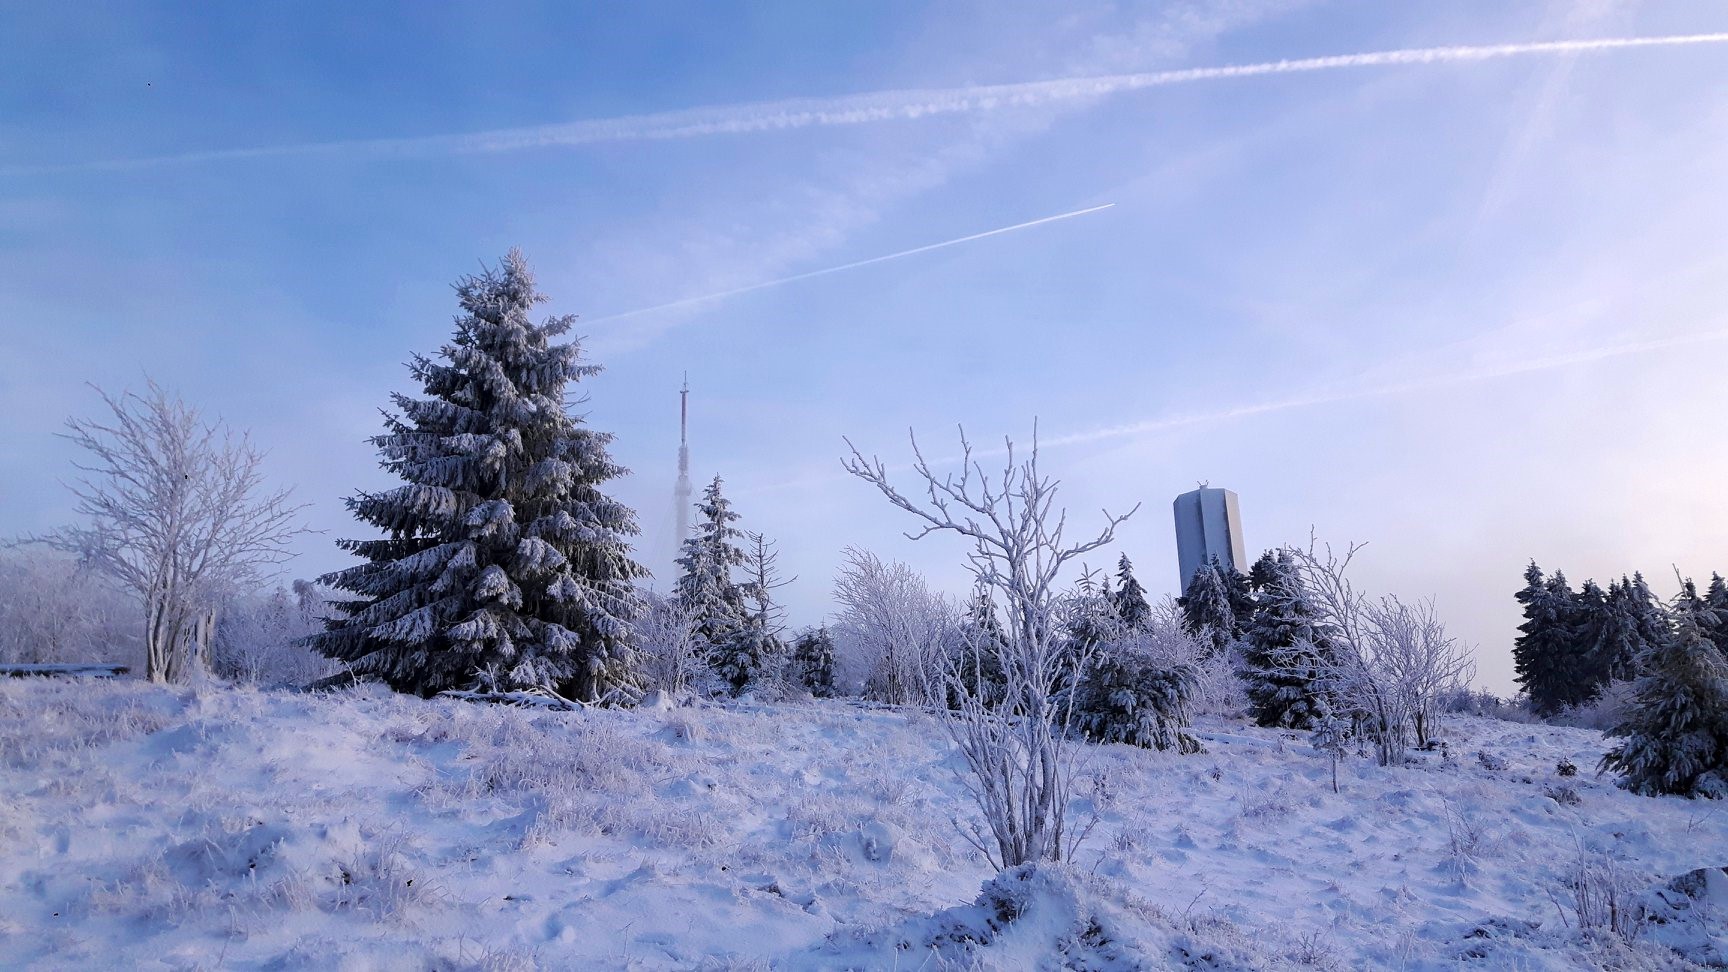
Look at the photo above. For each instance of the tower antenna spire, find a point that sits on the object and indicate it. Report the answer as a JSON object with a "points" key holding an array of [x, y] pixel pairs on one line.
{"points": [[681, 493]]}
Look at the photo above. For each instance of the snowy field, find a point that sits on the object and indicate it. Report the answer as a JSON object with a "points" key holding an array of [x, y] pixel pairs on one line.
{"points": [[169, 829]]}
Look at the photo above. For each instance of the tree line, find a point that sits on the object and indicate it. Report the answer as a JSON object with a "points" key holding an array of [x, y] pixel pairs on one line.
{"points": [[1664, 667]]}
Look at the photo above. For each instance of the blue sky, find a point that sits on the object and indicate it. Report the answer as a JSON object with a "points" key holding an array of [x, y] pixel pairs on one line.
{"points": [[1469, 311]]}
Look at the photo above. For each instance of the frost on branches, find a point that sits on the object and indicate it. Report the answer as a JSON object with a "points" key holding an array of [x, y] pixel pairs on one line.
{"points": [[1676, 729], [1284, 649], [502, 566]]}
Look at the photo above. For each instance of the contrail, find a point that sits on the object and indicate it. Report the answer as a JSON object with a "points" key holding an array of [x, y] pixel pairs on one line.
{"points": [[687, 301], [1310, 400], [863, 108], [1446, 380]]}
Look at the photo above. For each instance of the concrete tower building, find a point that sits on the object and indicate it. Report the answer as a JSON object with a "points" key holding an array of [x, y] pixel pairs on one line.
{"points": [[1208, 524]]}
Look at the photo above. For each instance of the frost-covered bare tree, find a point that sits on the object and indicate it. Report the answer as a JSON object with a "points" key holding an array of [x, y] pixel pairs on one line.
{"points": [[1386, 663], [893, 630], [178, 513], [1018, 752]]}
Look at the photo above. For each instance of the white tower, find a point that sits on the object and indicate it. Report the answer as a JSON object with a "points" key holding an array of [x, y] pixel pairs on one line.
{"points": [[681, 493], [1208, 525]]}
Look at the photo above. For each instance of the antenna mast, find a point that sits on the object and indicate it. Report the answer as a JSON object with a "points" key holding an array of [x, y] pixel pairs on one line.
{"points": [[681, 494]]}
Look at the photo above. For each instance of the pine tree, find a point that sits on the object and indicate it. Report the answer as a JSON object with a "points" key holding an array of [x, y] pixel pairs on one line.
{"points": [[1716, 598], [1614, 642], [502, 564], [813, 662], [1206, 607], [1546, 655], [1129, 598], [1332, 738], [978, 657], [1284, 649], [1676, 728], [1596, 627], [1240, 592], [736, 648]]}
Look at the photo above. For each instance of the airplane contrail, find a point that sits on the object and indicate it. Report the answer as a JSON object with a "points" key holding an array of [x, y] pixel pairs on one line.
{"points": [[878, 106], [1425, 383], [1312, 399], [926, 248]]}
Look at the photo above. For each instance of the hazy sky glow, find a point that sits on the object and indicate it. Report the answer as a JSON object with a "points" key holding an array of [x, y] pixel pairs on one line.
{"points": [[1467, 306]]}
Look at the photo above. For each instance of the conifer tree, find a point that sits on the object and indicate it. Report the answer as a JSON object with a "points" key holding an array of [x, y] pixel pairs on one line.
{"points": [[813, 662], [736, 647], [710, 554], [978, 661], [1206, 606], [502, 565], [1284, 650], [1613, 641], [1716, 598], [1676, 727], [1129, 598], [1546, 656]]}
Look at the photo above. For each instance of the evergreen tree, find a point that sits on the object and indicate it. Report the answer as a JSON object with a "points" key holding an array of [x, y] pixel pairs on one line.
{"points": [[1614, 640], [1129, 598], [813, 662], [1206, 607], [1651, 621], [1702, 610], [1716, 598], [978, 659], [1676, 728], [733, 645], [1596, 626], [502, 563], [1240, 592], [1284, 649], [1546, 656]]}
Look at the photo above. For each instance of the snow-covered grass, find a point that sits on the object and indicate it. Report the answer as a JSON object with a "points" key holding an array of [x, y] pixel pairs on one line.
{"points": [[151, 828]]}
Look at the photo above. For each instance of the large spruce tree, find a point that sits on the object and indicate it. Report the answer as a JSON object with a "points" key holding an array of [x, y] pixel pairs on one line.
{"points": [[1208, 606], [502, 564], [1284, 649], [1547, 656], [1675, 730], [733, 644]]}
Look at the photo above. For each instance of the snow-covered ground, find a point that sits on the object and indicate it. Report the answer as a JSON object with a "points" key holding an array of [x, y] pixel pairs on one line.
{"points": [[143, 827]]}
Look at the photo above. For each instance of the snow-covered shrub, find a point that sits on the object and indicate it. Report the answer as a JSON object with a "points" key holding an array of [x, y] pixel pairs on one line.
{"points": [[54, 612], [669, 649], [1127, 696], [1603, 896], [1602, 713], [259, 641], [811, 666], [892, 631]]}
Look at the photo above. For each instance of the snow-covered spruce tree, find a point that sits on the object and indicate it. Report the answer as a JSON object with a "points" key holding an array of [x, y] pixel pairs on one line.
{"points": [[502, 566], [736, 648], [1129, 598], [978, 650], [1676, 728], [1125, 694], [1547, 655], [1716, 599], [812, 666], [1284, 650], [1206, 606]]}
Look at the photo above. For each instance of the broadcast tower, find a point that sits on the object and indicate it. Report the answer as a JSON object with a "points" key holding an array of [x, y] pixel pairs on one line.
{"points": [[681, 493]]}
